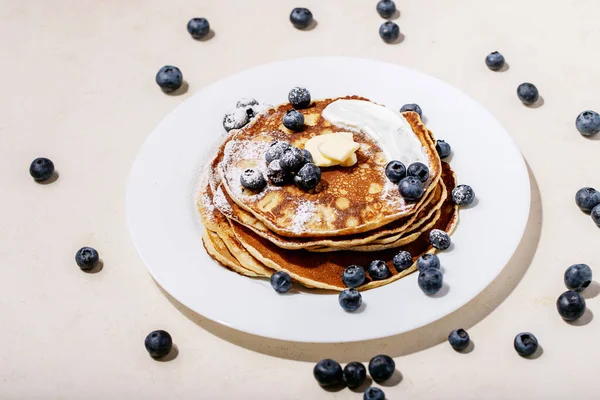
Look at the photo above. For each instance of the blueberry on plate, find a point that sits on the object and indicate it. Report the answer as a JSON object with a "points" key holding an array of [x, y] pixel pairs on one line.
{"points": [[308, 158], [412, 107], [350, 299], [246, 102], [276, 174], [395, 171], [87, 258], [427, 261], [494, 61], [386, 8], [158, 343], [299, 98], [525, 344], [293, 120], [378, 270], [374, 393], [411, 188], [578, 277], [418, 170], [528, 93], [253, 179], [463, 195], [281, 282], [275, 151], [354, 276], [389, 31], [301, 18], [235, 119], [198, 27], [587, 198], [439, 239], [570, 305], [588, 123], [41, 169], [443, 149], [381, 368], [459, 339], [430, 281], [402, 261], [292, 159], [169, 78], [596, 214], [355, 374], [328, 372], [308, 177]]}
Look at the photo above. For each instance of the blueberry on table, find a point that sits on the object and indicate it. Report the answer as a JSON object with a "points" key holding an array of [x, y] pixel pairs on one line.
{"points": [[570, 305], [381, 368], [355, 374], [328, 372], [459, 339], [253, 179], [578, 277], [378, 270], [403, 260], [299, 98], [301, 18], [419, 170], [587, 198], [494, 61], [281, 282], [291, 160], [275, 151], [389, 31], [463, 195], [411, 188], [41, 169], [293, 120], [374, 393], [588, 123], [528, 93], [354, 276], [169, 78], [386, 8], [198, 27], [427, 261], [439, 239], [87, 258], [158, 343], [350, 299], [308, 177], [443, 149], [412, 107], [596, 215], [525, 344], [395, 171], [430, 281]]}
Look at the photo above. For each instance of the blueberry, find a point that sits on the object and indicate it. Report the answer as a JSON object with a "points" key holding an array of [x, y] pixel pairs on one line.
{"points": [[381, 368], [411, 188], [353, 276], [578, 277], [350, 299], [299, 98], [395, 171], [430, 281], [275, 151], [427, 261], [402, 261], [169, 78], [281, 282], [41, 169], [308, 158], [443, 149], [158, 343], [412, 107], [308, 177], [386, 8], [588, 123], [301, 18], [276, 174], [418, 170], [459, 339], [463, 195], [293, 120], [328, 372], [246, 102], [570, 305], [439, 239], [525, 344], [236, 119], [373, 393], [596, 214], [253, 179], [198, 27], [291, 160], [355, 374], [587, 198], [528, 93], [87, 258], [378, 270], [494, 61], [389, 31]]}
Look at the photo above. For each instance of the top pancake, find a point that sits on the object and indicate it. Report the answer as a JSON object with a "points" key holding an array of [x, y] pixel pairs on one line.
{"points": [[348, 200]]}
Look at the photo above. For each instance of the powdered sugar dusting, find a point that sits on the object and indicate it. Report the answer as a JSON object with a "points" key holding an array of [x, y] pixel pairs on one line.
{"points": [[240, 155], [304, 213], [221, 202]]}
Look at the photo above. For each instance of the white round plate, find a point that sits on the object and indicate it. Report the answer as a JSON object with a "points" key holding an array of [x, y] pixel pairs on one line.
{"points": [[166, 228]]}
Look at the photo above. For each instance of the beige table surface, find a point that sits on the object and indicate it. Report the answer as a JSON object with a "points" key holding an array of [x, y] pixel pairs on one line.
{"points": [[78, 87]]}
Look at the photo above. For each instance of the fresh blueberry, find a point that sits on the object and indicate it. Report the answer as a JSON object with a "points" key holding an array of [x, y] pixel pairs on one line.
{"points": [[411, 188], [381, 368], [528, 93], [87, 258], [402, 261], [596, 214], [443, 149], [276, 174], [525, 344], [373, 393], [293, 120], [463, 195], [412, 107], [292, 159], [158, 343], [588, 123], [299, 98], [395, 171], [41, 169], [494, 61], [350, 299], [459, 339], [236, 119], [308, 177], [355, 374], [308, 158], [419, 170], [587, 198], [439, 239], [430, 281], [389, 31], [275, 151], [386, 8], [378, 270], [281, 282], [169, 78], [353, 276], [253, 179], [427, 261], [578, 277], [301, 18], [328, 372], [570, 305], [246, 102], [198, 27]]}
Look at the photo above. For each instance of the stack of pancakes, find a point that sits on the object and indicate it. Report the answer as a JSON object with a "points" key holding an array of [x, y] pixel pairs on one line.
{"points": [[354, 216]]}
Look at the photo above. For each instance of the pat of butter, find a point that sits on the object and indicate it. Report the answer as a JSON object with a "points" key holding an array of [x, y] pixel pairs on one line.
{"points": [[333, 149]]}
